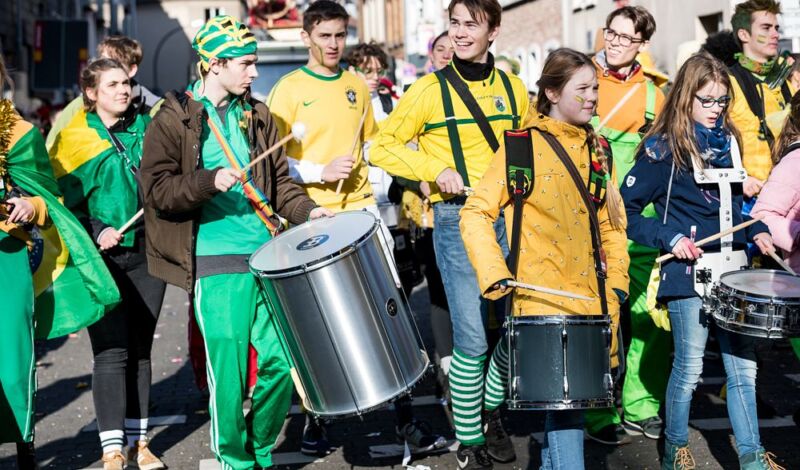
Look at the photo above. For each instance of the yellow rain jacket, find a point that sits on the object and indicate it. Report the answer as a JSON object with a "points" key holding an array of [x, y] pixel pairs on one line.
{"points": [[555, 243]]}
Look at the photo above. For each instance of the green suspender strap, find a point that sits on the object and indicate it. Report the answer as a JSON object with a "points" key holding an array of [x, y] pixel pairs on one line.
{"points": [[449, 75], [510, 93]]}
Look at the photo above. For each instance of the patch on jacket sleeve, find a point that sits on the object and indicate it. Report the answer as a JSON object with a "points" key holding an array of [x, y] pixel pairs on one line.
{"points": [[630, 180]]}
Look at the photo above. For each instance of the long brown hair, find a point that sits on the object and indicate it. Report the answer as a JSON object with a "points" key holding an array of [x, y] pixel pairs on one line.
{"points": [[90, 78], [790, 132], [675, 124], [5, 78], [559, 67]]}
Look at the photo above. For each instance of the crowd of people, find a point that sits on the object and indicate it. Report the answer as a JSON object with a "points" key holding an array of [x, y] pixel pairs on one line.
{"points": [[578, 189]]}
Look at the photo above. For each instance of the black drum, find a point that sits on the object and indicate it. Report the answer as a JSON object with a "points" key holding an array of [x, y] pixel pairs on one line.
{"points": [[559, 362]]}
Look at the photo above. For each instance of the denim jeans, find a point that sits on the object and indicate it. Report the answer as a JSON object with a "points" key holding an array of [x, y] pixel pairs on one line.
{"points": [[468, 310], [563, 440], [690, 332]]}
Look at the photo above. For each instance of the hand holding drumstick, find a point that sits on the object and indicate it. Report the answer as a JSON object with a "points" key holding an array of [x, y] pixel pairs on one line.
{"points": [[347, 162]]}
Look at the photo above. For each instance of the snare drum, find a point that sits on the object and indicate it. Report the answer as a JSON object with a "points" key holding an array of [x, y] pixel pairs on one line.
{"points": [[346, 326], [758, 302], [559, 362]]}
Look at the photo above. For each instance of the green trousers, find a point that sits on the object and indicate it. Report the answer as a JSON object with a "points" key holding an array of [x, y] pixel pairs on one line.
{"points": [[648, 357], [232, 314], [17, 367]]}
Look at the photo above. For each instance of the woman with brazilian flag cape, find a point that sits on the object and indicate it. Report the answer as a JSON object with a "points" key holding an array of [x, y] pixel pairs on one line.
{"points": [[69, 288]]}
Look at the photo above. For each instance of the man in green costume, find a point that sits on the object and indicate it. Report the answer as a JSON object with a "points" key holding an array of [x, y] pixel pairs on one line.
{"points": [[204, 218]]}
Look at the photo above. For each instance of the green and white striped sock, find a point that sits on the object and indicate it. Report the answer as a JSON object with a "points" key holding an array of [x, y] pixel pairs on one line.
{"points": [[497, 377], [466, 391]]}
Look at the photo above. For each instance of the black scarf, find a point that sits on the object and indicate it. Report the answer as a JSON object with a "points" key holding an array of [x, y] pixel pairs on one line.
{"points": [[474, 71]]}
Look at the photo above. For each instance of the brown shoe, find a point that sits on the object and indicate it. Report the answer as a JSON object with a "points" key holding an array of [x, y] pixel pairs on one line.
{"points": [[140, 456], [113, 460]]}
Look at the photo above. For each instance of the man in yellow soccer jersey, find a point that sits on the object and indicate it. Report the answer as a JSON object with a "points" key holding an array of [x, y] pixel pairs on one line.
{"points": [[454, 152], [335, 106]]}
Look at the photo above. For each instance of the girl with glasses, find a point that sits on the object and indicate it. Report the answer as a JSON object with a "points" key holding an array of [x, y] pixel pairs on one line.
{"points": [[694, 132]]}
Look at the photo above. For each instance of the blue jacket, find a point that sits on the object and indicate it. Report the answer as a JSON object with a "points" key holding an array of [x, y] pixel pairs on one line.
{"points": [[690, 204]]}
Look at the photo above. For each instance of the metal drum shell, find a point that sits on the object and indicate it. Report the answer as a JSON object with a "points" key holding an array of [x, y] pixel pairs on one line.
{"points": [[536, 372], [348, 329], [759, 315]]}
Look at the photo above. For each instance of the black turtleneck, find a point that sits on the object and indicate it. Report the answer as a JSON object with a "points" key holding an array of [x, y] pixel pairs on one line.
{"points": [[474, 71]]}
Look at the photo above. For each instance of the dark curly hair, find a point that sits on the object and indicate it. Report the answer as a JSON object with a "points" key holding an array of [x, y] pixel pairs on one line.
{"points": [[360, 53]]}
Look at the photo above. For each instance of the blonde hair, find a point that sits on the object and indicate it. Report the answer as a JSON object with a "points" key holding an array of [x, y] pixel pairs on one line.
{"points": [[675, 123], [559, 67]]}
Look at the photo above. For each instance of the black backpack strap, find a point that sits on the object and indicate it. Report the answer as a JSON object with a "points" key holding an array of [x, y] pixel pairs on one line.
{"points": [[519, 181], [452, 128], [449, 73], [513, 102], [755, 100]]}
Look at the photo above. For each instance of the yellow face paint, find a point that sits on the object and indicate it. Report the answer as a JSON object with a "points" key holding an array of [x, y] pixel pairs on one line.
{"points": [[761, 39], [580, 99]]}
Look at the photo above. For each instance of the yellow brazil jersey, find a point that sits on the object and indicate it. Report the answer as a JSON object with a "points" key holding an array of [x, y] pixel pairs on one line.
{"points": [[331, 108], [420, 114]]}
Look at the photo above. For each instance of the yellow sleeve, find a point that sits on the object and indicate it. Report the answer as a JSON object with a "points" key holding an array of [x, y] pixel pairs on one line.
{"points": [[403, 125], [477, 219], [370, 125], [524, 105], [281, 107], [615, 245], [39, 210]]}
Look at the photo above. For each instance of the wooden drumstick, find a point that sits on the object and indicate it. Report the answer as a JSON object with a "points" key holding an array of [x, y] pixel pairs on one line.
{"points": [[355, 142], [710, 239], [546, 290], [130, 222], [297, 133], [781, 262]]}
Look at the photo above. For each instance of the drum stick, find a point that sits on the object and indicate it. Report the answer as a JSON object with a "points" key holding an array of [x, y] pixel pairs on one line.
{"points": [[355, 142], [710, 239], [297, 133], [781, 262], [618, 106], [546, 290], [130, 222]]}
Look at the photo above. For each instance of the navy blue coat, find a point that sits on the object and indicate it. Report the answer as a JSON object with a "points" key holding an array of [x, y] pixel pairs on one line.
{"points": [[690, 204]]}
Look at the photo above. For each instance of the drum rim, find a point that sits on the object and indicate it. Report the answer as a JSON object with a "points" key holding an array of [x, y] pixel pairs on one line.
{"points": [[318, 263], [754, 296], [582, 404], [557, 319]]}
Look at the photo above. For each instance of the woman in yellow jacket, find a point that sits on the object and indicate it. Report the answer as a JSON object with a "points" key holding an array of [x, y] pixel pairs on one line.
{"points": [[555, 247]]}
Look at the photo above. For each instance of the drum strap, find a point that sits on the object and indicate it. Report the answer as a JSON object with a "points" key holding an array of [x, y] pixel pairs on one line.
{"points": [[594, 224], [519, 181]]}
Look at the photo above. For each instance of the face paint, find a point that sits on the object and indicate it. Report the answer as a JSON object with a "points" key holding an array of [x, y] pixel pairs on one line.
{"points": [[761, 39], [580, 99]]}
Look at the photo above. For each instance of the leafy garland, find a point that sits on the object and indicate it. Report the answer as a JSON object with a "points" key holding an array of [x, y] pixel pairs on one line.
{"points": [[8, 117]]}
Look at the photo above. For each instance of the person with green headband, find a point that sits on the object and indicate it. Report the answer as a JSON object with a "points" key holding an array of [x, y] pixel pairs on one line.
{"points": [[205, 217]]}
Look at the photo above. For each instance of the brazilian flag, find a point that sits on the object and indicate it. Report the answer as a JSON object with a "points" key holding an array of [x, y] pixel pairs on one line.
{"points": [[72, 286]]}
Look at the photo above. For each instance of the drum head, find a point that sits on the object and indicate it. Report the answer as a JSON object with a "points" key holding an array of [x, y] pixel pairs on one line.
{"points": [[312, 242], [763, 282]]}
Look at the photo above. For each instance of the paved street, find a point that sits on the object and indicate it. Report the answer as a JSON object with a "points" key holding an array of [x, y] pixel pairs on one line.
{"points": [[66, 438]]}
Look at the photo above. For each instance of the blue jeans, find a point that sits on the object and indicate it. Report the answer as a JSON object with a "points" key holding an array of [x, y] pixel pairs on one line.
{"points": [[468, 310], [690, 332], [563, 440]]}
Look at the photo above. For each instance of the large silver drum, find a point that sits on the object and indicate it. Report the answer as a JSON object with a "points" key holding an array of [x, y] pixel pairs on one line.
{"points": [[758, 302], [347, 327]]}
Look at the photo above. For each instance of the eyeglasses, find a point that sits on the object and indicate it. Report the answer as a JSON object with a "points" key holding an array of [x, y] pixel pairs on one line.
{"points": [[380, 73], [624, 40], [722, 101]]}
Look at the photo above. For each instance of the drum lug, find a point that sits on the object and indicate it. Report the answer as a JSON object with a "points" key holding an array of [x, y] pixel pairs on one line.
{"points": [[515, 388], [608, 382]]}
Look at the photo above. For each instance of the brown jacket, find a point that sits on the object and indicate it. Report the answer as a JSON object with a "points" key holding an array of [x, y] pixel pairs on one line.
{"points": [[175, 185]]}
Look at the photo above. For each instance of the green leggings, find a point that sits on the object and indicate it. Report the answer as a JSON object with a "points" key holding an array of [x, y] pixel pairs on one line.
{"points": [[17, 368], [232, 314]]}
